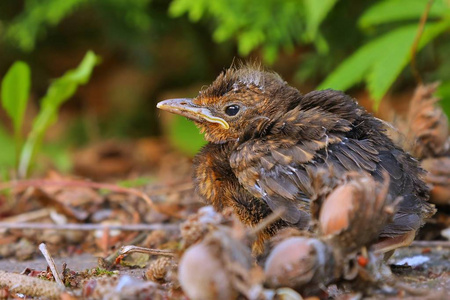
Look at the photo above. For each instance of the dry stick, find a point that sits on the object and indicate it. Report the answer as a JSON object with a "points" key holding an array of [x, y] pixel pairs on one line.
{"points": [[423, 21], [30, 286], [51, 264], [124, 250], [89, 227], [131, 249]]}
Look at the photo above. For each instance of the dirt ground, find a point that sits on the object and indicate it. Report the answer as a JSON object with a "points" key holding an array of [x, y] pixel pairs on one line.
{"points": [[75, 263], [427, 269], [424, 270]]}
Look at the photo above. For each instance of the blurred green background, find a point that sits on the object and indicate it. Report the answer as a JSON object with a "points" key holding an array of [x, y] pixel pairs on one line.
{"points": [[149, 50]]}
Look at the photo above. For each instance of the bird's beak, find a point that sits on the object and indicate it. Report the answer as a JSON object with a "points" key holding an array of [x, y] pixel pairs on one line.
{"points": [[185, 107]]}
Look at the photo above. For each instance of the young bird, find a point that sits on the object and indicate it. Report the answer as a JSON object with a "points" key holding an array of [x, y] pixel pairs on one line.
{"points": [[266, 140]]}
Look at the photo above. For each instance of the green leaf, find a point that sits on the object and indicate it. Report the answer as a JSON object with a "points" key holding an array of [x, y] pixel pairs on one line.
{"points": [[7, 153], [196, 9], [35, 18], [354, 69], [400, 10], [15, 94], [316, 11], [249, 40], [270, 53], [16, 91], [270, 25], [184, 135], [389, 65], [321, 44], [59, 91], [60, 157]]}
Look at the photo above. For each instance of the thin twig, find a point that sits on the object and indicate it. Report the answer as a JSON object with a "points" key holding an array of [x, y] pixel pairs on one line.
{"points": [[89, 227], [132, 249], [420, 29], [51, 264]]}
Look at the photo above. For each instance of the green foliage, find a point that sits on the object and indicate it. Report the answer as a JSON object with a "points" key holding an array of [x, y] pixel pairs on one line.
{"points": [[380, 61], [15, 94], [184, 135], [316, 11], [59, 91], [275, 25], [99, 271], [399, 10], [36, 17], [7, 152], [39, 15], [60, 157], [270, 24]]}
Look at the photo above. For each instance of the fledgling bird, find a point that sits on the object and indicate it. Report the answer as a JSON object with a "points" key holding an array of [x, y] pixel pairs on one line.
{"points": [[266, 140]]}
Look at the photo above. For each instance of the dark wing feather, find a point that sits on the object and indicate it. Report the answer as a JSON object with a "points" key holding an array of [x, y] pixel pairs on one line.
{"points": [[345, 160], [389, 162], [406, 219]]}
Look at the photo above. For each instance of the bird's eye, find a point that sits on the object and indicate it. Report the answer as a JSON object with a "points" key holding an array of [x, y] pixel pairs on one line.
{"points": [[232, 110]]}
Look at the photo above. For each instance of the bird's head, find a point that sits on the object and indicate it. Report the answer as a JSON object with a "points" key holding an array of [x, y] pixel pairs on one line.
{"points": [[238, 98]]}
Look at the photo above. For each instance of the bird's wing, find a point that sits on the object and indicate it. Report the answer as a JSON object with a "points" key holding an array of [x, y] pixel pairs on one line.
{"points": [[276, 167], [275, 158]]}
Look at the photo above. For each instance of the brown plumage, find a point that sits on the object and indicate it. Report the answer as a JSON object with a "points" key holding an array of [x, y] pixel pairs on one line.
{"points": [[266, 140]]}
